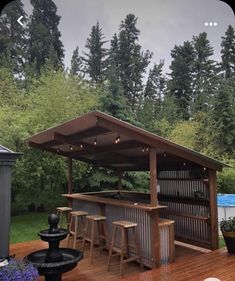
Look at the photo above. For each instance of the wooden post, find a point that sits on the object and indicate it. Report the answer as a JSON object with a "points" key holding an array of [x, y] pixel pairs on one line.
{"points": [[155, 238], [70, 175], [153, 176], [213, 209], [119, 180]]}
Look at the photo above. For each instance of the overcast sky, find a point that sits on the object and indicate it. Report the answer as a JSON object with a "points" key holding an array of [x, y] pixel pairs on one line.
{"points": [[162, 23]]}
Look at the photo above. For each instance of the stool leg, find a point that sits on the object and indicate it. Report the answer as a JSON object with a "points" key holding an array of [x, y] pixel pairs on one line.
{"points": [[122, 251], [69, 234], [85, 234], [92, 240], [75, 232], [111, 246]]}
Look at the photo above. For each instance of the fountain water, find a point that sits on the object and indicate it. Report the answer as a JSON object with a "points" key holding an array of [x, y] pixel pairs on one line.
{"points": [[55, 261]]}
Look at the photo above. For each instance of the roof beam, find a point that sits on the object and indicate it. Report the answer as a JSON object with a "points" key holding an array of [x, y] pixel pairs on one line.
{"points": [[168, 147], [74, 138]]}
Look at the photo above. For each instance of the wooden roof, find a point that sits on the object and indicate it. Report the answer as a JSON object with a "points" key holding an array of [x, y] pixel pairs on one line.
{"points": [[102, 140]]}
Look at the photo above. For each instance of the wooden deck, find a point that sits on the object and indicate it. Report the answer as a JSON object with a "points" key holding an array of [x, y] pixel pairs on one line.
{"points": [[98, 271], [218, 264]]}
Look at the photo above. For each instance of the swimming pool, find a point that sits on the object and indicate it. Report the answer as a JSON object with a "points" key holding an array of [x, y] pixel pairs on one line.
{"points": [[226, 200], [226, 206]]}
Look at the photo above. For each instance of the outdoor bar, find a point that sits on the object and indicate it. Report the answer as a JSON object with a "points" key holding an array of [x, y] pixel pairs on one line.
{"points": [[181, 202]]}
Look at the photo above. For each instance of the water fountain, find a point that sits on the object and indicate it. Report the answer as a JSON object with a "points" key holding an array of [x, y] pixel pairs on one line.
{"points": [[55, 261]]}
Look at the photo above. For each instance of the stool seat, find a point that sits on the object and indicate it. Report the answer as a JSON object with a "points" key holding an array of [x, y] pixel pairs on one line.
{"points": [[78, 213], [96, 218], [125, 224], [64, 209]]}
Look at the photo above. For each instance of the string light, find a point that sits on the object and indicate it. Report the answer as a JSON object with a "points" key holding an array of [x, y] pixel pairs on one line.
{"points": [[145, 148], [81, 145], [117, 140], [142, 149], [184, 164], [95, 141], [58, 149], [204, 168], [164, 154], [71, 147]]}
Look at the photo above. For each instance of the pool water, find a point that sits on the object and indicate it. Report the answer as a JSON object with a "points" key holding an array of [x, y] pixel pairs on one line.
{"points": [[226, 200]]}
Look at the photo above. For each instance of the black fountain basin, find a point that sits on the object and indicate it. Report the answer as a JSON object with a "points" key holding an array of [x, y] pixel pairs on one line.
{"points": [[70, 259], [45, 235]]}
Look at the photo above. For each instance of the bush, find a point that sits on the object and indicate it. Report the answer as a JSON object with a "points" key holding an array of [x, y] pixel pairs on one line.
{"points": [[226, 181]]}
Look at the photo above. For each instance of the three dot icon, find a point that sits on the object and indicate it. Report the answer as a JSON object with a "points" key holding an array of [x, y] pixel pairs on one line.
{"points": [[211, 23]]}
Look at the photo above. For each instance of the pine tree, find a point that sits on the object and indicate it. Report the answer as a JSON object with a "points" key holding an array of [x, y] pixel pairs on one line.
{"points": [[228, 53], [224, 117], [180, 83], [113, 59], [45, 46], [13, 38], [76, 63], [132, 61], [204, 73], [113, 102], [95, 58]]}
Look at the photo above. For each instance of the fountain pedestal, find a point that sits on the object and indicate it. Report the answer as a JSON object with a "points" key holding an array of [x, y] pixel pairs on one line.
{"points": [[54, 261]]}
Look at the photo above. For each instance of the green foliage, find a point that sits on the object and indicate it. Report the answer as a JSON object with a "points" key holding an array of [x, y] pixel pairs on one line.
{"points": [[13, 38], [132, 61], [204, 74], [184, 133], [40, 178], [180, 84], [76, 63], [95, 58], [228, 225], [228, 53], [226, 181], [45, 46]]}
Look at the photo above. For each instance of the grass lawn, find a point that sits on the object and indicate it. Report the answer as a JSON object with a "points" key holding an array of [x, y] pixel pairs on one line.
{"points": [[25, 227]]}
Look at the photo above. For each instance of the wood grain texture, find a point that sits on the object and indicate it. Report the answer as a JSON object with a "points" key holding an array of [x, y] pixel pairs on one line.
{"points": [[98, 271]]}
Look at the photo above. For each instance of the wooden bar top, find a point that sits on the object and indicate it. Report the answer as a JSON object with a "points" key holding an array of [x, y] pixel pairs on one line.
{"points": [[91, 197]]}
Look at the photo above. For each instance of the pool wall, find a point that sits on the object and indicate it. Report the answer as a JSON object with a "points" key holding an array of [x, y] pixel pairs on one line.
{"points": [[226, 207]]}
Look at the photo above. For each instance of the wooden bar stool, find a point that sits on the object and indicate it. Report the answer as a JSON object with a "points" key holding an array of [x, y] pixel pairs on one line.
{"points": [[102, 233], [123, 251], [75, 229], [63, 210]]}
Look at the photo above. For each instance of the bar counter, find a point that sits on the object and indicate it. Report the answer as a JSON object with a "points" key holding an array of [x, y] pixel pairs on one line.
{"points": [[156, 235]]}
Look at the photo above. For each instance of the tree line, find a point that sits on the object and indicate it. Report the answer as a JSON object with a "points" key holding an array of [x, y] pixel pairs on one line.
{"points": [[193, 105]]}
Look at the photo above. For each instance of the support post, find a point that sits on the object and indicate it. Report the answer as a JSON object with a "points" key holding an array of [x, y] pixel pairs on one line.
{"points": [[70, 175], [153, 176], [155, 238], [119, 180], [213, 209]]}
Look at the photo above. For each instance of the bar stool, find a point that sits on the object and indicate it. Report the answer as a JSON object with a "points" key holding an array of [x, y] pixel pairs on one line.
{"points": [[102, 233], [63, 210], [75, 229], [123, 251]]}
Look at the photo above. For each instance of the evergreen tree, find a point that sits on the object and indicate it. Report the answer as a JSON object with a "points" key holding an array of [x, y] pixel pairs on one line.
{"points": [[95, 58], [150, 110], [113, 59], [76, 63], [228, 53], [132, 61], [180, 83], [13, 38], [204, 73], [113, 102], [45, 46], [224, 117]]}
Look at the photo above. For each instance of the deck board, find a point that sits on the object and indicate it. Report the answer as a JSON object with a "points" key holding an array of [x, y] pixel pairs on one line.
{"points": [[98, 271], [218, 264]]}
